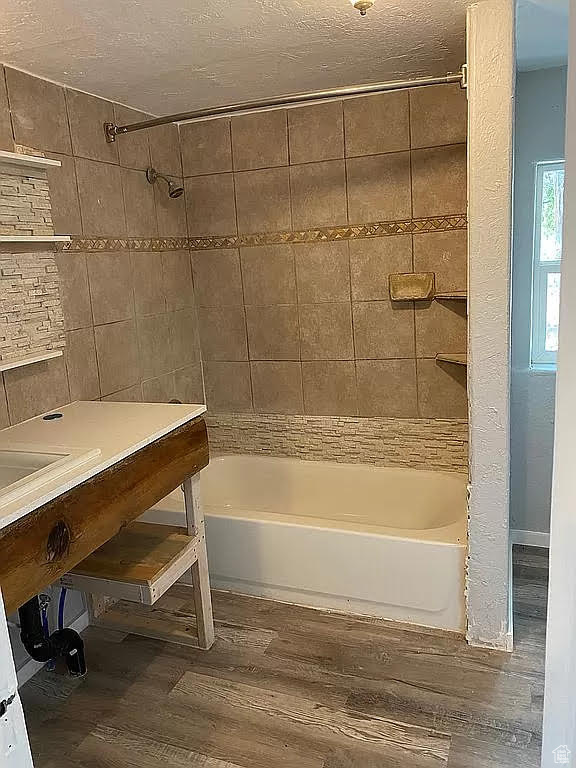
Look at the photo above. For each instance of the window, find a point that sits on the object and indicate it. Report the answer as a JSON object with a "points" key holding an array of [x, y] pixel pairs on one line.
{"points": [[548, 214]]}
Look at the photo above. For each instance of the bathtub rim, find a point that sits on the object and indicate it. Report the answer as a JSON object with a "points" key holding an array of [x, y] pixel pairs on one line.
{"points": [[453, 535], [432, 535]]}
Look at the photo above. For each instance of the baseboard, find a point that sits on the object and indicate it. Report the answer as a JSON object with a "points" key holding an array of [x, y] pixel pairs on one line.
{"points": [[530, 538], [29, 669]]}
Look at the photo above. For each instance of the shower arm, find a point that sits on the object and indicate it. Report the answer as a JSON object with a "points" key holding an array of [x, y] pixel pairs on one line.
{"points": [[112, 130]]}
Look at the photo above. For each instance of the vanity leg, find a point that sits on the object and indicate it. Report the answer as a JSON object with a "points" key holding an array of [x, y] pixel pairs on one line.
{"points": [[199, 571]]}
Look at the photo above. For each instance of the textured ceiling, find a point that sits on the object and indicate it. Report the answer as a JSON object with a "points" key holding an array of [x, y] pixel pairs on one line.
{"points": [[542, 33], [165, 56]]}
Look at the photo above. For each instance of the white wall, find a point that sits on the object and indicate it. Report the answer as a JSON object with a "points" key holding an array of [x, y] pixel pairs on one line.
{"points": [[560, 696], [490, 125], [540, 119]]}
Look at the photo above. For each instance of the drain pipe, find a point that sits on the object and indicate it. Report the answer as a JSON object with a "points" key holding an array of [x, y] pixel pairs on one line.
{"points": [[65, 643]]}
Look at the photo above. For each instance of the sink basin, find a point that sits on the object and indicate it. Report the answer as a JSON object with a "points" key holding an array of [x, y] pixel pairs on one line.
{"points": [[26, 468]]}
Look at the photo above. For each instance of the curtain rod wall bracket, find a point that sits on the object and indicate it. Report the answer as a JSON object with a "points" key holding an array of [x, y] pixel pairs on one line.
{"points": [[111, 130]]}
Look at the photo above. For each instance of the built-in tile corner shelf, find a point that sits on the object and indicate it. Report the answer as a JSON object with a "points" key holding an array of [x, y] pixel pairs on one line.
{"points": [[27, 161], [457, 359], [452, 295], [7, 365]]}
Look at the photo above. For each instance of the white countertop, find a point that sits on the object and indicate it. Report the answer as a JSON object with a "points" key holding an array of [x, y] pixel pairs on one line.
{"points": [[116, 429]]}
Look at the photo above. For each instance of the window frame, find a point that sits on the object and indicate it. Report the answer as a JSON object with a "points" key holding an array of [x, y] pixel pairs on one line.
{"points": [[540, 357]]}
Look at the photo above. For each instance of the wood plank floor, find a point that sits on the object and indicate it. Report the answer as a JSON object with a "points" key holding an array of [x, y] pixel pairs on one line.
{"points": [[289, 687]]}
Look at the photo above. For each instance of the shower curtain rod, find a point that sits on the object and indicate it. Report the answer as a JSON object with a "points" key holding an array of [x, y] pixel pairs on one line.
{"points": [[112, 130]]}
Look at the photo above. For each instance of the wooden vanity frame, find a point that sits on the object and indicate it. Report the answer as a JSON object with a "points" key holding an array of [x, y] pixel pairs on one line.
{"points": [[40, 548]]}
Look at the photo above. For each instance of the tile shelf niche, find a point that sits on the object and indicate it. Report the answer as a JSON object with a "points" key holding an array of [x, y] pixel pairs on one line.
{"points": [[17, 160]]}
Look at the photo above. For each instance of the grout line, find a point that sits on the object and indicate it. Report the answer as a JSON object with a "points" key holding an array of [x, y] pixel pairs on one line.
{"points": [[6, 398], [10, 116], [413, 303], [241, 275], [328, 160], [356, 396], [93, 325]]}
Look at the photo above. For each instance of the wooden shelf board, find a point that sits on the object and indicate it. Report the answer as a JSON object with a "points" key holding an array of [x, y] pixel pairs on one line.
{"points": [[140, 554], [29, 161], [457, 359], [7, 365]]}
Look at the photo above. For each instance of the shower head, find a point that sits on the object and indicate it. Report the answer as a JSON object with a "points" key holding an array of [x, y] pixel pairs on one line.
{"points": [[173, 189]]}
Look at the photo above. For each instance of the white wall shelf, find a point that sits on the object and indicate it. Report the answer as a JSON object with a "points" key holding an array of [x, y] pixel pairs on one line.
{"points": [[7, 365], [27, 161], [34, 239]]}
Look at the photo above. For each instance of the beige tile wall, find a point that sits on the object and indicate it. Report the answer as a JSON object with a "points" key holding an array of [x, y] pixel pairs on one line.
{"points": [[284, 329], [309, 328], [130, 319]]}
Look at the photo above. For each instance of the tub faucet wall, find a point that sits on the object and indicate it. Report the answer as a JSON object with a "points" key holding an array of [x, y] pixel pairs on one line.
{"points": [[297, 218], [293, 301]]}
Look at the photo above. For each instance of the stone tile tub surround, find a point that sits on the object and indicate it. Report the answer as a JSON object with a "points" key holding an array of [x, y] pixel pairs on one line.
{"points": [[108, 338], [309, 328], [129, 318]]}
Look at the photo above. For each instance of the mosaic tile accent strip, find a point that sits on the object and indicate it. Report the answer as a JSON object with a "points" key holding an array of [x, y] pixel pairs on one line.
{"points": [[25, 205], [31, 318], [377, 229], [83, 244], [416, 443]]}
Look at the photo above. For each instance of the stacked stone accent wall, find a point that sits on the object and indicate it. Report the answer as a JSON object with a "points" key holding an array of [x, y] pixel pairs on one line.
{"points": [[31, 319], [437, 444], [25, 208]]}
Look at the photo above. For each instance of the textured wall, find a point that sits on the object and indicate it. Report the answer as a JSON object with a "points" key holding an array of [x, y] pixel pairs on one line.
{"points": [[491, 115], [294, 311], [129, 317], [191, 55], [540, 119], [559, 701]]}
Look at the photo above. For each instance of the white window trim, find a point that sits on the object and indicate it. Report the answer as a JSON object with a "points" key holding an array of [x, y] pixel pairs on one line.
{"points": [[540, 358]]}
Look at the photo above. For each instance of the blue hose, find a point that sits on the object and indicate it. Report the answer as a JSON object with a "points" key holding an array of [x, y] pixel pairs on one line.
{"points": [[45, 626], [61, 606]]}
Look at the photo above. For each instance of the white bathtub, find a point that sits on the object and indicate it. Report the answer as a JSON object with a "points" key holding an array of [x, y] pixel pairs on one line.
{"points": [[367, 540]]}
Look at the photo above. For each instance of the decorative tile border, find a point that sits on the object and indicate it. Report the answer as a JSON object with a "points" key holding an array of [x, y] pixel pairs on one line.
{"points": [[376, 229], [125, 244], [417, 443]]}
